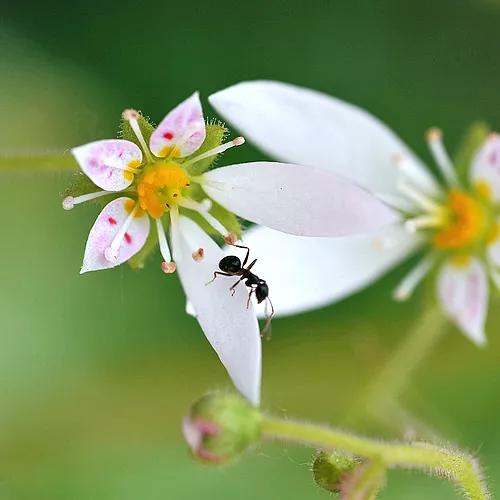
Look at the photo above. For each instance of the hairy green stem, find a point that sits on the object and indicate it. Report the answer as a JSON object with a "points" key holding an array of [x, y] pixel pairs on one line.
{"points": [[451, 464], [48, 161]]}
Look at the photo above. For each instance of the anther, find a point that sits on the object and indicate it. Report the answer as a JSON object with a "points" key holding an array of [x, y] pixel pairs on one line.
{"points": [[198, 255], [230, 239], [68, 203], [168, 267]]}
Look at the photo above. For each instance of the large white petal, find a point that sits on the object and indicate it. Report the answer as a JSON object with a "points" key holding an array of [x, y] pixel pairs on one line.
{"points": [[305, 201], [308, 273], [300, 125], [463, 293], [485, 168], [230, 327]]}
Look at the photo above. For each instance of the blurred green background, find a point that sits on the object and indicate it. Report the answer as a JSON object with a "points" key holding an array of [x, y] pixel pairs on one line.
{"points": [[96, 371]]}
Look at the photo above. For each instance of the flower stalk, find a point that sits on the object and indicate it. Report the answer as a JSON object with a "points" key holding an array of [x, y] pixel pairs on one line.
{"points": [[383, 393], [48, 161], [445, 462]]}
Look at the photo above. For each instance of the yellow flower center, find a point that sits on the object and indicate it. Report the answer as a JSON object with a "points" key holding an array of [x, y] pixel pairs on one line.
{"points": [[465, 221], [161, 186]]}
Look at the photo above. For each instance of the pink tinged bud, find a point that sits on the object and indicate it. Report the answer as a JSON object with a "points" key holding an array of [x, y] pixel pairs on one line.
{"points": [[220, 427]]}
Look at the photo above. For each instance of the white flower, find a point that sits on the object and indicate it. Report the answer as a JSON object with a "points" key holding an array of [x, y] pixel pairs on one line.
{"points": [[455, 223], [154, 184]]}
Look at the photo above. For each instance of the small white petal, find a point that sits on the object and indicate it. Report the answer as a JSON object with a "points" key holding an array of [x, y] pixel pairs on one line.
{"points": [[109, 163], [463, 293], [299, 200], [308, 273], [104, 230], [300, 125], [183, 128], [230, 327], [486, 166]]}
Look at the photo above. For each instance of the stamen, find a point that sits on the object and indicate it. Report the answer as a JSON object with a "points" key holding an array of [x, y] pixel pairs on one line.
{"points": [[111, 253], [238, 141], [423, 222], [70, 201], [198, 254], [175, 233], [132, 116], [167, 265], [407, 286], [418, 197], [441, 157], [200, 208]]}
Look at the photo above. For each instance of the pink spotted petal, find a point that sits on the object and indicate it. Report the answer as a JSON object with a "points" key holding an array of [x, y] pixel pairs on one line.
{"points": [[463, 293], [181, 132], [105, 162], [105, 228], [486, 166]]}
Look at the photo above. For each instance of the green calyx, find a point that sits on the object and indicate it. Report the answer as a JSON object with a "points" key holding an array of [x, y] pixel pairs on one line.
{"points": [[219, 427], [330, 469]]}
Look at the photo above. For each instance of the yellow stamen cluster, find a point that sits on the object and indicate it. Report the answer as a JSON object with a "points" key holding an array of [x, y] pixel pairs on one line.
{"points": [[465, 222], [160, 187]]}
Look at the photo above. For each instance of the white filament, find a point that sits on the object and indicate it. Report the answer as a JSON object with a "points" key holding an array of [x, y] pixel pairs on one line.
{"points": [[441, 157], [407, 286], [238, 141], [162, 239], [201, 209], [111, 253], [70, 201]]}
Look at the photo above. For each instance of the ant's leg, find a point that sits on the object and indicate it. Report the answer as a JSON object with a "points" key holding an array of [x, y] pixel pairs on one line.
{"points": [[266, 331], [217, 273], [245, 260], [251, 264], [233, 287], [250, 297]]}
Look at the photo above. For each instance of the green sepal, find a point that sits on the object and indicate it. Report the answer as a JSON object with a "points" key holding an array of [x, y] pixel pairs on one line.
{"points": [[139, 259], [147, 128], [473, 139], [81, 184], [216, 132]]}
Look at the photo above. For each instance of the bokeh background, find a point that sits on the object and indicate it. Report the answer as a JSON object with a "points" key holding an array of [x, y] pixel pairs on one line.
{"points": [[96, 371]]}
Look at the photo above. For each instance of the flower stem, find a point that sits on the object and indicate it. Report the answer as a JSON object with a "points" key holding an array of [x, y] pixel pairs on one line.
{"points": [[48, 161], [448, 463], [388, 385]]}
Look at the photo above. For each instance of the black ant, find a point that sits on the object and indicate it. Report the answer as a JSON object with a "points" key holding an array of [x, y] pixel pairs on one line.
{"points": [[231, 266]]}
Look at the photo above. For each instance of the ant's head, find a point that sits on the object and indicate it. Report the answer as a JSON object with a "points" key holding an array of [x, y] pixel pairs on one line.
{"points": [[261, 291], [230, 264]]}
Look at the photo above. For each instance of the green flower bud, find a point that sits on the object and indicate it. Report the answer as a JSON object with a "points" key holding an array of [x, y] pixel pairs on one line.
{"points": [[330, 469], [220, 427]]}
